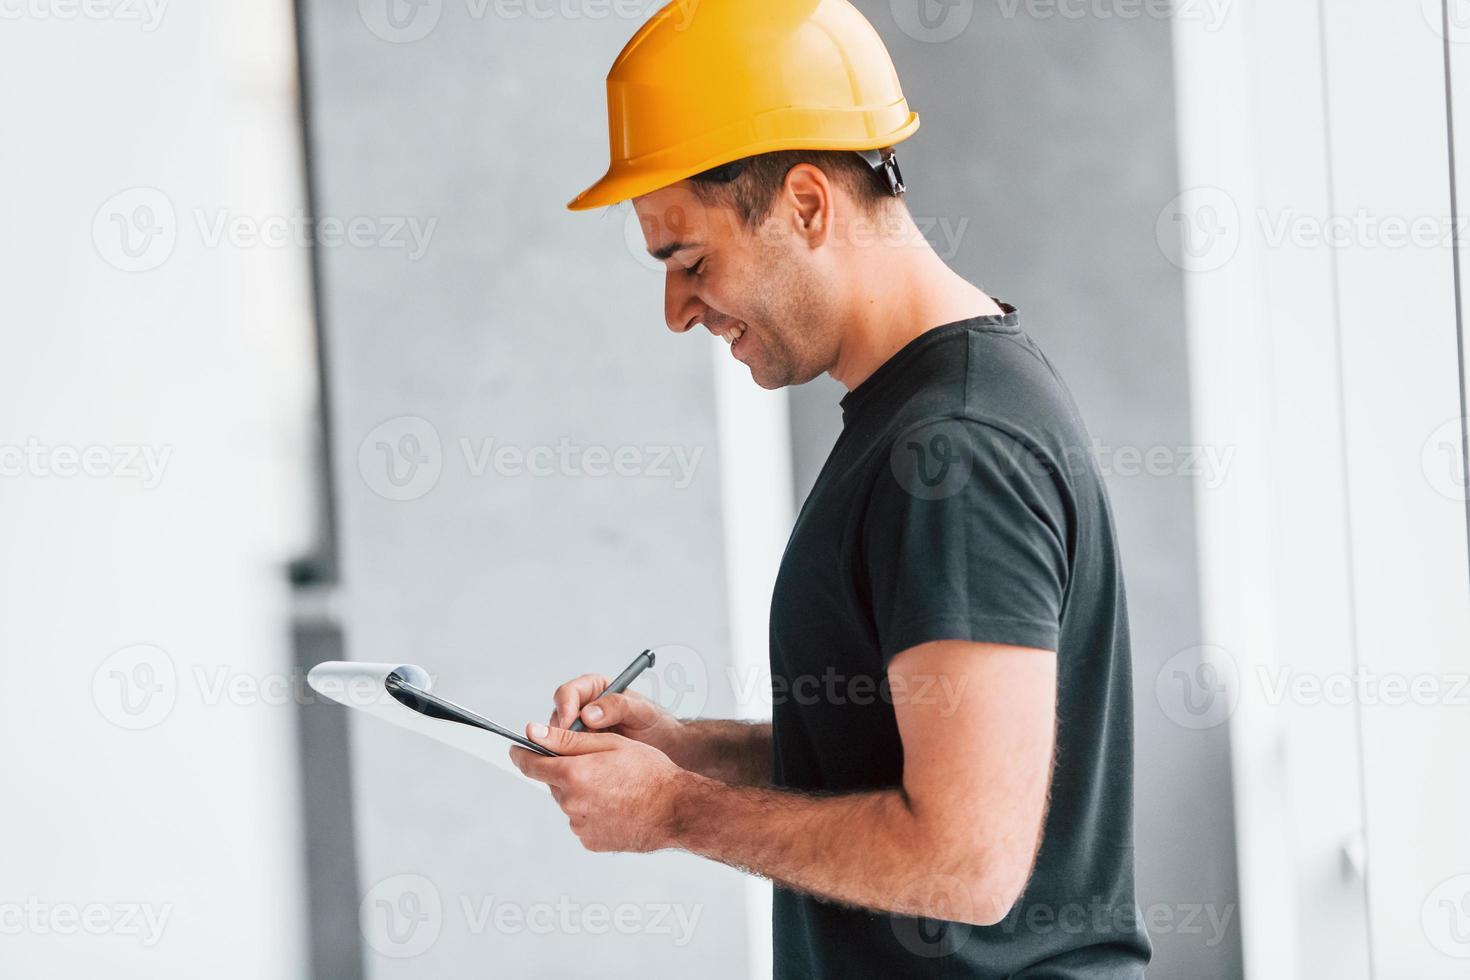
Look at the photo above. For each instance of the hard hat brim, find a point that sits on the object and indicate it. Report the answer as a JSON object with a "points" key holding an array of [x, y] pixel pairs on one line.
{"points": [[622, 183]]}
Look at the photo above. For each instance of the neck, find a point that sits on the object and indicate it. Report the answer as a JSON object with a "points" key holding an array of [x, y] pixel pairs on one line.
{"points": [[900, 290]]}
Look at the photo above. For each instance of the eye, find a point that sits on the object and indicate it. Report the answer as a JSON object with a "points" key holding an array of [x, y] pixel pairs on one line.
{"points": [[696, 269]]}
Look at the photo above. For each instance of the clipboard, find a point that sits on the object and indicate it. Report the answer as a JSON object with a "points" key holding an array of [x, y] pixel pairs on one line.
{"points": [[399, 694], [433, 706]]}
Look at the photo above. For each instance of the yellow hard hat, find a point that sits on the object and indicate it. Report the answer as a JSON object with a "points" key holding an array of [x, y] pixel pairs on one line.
{"points": [[707, 82]]}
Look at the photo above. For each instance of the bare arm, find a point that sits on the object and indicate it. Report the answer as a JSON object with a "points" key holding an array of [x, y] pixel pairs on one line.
{"points": [[956, 841], [737, 753]]}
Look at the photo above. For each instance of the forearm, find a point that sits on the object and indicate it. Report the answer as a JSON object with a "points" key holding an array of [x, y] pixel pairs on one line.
{"points": [[733, 752], [868, 850]]}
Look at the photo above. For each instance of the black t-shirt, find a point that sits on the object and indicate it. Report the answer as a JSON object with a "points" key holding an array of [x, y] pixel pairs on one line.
{"points": [[961, 502]]}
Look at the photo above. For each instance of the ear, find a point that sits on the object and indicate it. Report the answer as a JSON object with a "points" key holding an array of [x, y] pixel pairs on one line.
{"points": [[809, 195]]}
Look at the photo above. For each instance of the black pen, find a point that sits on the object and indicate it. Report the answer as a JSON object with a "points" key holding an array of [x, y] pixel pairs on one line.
{"points": [[620, 683]]}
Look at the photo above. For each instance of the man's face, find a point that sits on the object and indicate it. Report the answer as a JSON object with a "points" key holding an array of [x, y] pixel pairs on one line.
{"points": [[762, 281]]}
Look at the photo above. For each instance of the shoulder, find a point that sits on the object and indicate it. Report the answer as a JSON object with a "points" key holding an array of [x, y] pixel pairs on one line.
{"points": [[953, 454]]}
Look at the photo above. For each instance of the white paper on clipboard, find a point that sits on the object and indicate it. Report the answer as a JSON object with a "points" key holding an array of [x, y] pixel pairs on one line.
{"points": [[363, 686]]}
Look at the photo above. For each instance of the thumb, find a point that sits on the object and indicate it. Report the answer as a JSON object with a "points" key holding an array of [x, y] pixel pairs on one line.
{"points": [[633, 713], [563, 741]]}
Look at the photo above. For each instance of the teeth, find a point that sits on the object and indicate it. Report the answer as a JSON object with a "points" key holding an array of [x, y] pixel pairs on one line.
{"points": [[735, 334]]}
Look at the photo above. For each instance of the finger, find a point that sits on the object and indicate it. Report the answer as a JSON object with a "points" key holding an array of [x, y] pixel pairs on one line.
{"points": [[576, 692], [536, 766], [564, 742]]}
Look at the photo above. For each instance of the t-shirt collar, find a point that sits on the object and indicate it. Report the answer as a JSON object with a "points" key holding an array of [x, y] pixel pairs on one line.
{"points": [[1008, 320]]}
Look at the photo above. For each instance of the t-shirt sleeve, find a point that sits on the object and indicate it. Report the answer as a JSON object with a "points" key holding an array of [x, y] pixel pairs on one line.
{"points": [[965, 538]]}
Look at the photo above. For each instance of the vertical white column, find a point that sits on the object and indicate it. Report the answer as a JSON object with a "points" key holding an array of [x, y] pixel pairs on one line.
{"points": [[1275, 551], [1401, 384], [754, 429], [1223, 296]]}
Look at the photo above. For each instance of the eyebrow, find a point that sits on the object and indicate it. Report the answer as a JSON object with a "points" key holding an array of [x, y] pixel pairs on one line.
{"points": [[670, 249]]}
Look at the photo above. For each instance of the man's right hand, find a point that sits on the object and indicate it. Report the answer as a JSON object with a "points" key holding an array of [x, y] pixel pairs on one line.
{"points": [[629, 714]]}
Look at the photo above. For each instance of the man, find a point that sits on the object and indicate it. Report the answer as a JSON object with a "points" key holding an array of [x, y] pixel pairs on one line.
{"points": [[945, 789]]}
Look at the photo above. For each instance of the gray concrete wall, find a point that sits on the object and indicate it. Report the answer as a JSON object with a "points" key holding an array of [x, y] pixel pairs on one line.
{"points": [[1046, 152], [527, 325]]}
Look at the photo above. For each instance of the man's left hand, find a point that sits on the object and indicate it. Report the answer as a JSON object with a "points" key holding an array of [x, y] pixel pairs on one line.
{"points": [[618, 794]]}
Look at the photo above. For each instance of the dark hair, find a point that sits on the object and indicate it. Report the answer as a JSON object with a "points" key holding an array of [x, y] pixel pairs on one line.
{"points": [[749, 185]]}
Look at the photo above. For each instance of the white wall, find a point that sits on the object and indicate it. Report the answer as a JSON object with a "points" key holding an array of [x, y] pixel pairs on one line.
{"points": [[151, 820]]}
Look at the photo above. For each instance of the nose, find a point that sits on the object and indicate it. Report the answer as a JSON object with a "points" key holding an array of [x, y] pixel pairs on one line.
{"points": [[682, 308]]}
